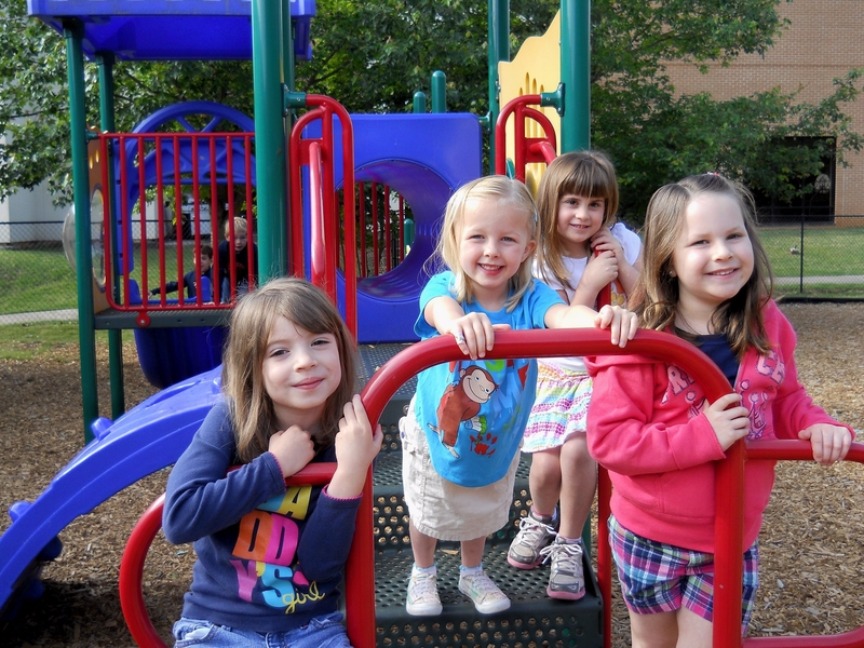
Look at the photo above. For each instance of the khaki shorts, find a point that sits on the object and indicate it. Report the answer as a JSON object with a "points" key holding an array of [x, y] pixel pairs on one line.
{"points": [[444, 510]]}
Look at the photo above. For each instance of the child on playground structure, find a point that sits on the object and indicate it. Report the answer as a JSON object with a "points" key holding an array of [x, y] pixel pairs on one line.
{"points": [[463, 429], [582, 251], [240, 252], [706, 280], [190, 279], [270, 559]]}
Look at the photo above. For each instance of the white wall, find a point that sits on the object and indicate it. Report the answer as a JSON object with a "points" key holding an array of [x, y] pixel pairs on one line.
{"points": [[28, 215]]}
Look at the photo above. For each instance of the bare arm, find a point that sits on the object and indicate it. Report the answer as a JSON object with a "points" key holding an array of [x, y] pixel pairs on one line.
{"points": [[621, 323], [474, 332]]}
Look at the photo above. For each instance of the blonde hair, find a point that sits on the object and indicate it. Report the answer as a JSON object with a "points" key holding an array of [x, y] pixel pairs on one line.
{"points": [[655, 297], [504, 191], [582, 173], [252, 321], [240, 226]]}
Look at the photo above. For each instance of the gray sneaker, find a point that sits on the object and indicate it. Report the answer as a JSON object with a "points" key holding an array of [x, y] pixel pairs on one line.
{"points": [[533, 536], [566, 577]]}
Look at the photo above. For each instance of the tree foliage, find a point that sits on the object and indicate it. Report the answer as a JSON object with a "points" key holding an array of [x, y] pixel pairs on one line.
{"points": [[373, 56]]}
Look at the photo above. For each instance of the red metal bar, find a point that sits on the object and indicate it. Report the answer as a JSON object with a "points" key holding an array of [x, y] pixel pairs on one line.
{"points": [[144, 532], [526, 150], [604, 552], [318, 231], [361, 215], [542, 149], [543, 343], [327, 110], [153, 146], [107, 220], [349, 211], [125, 248], [376, 230], [300, 158]]}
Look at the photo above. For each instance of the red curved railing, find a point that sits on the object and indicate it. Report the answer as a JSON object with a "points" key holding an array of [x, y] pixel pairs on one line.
{"points": [[527, 150], [360, 569], [320, 152], [132, 602]]}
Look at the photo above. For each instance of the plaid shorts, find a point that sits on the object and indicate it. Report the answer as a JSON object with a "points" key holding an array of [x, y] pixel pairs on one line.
{"points": [[657, 577]]}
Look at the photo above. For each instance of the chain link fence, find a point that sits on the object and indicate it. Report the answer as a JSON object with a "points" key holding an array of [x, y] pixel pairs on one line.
{"points": [[810, 261]]}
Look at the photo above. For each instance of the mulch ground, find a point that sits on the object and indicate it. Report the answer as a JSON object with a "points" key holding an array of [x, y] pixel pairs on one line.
{"points": [[812, 552]]}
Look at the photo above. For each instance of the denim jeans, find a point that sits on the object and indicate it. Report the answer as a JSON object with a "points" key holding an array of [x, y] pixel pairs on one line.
{"points": [[326, 631]]}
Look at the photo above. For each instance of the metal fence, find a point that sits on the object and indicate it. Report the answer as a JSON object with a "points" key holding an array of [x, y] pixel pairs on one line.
{"points": [[810, 260]]}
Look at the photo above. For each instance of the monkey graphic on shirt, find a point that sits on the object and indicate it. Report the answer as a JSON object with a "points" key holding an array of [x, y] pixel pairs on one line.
{"points": [[461, 402]]}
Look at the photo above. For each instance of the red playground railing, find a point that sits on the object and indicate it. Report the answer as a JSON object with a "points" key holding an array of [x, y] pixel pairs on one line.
{"points": [[384, 383]]}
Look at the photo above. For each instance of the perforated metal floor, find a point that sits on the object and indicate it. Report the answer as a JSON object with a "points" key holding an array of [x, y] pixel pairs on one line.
{"points": [[533, 619]]}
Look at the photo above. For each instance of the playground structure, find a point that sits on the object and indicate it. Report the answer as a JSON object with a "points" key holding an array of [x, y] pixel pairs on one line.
{"points": [[153, 434]]}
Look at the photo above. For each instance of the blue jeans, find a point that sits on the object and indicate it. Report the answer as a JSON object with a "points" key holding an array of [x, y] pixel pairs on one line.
{"points": [[325, 631]]}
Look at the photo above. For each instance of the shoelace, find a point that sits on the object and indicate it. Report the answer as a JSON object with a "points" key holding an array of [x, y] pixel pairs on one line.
{"points": [[423, 586], [533, 531], [483, 585], [564, 553]]}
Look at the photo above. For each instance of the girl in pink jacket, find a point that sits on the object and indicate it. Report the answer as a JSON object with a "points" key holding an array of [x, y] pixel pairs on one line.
{"points": [[706, 279]]}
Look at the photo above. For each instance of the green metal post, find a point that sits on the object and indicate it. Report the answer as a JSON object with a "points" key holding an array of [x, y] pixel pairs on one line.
{"points": [[576, 74], [83, 261], [288, 46], [498, 50], [270, 139], [115, 336], [574, 99], [288, 65], [419, 104], [439, 92]]}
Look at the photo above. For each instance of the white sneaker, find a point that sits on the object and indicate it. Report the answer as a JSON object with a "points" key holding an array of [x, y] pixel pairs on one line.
{"points": [[486, 596], [423, 599], [566, 577]]}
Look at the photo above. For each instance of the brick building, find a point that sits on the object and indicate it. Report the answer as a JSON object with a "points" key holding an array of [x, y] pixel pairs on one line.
{"points": [[824, 40]]}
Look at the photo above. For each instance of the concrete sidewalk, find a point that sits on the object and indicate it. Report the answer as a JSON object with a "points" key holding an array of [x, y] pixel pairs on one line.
{"points": [[69, 314]]}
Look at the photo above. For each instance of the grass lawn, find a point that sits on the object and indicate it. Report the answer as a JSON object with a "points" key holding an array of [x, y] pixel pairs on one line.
{"points": [[41, 279], [36, 280], [27, 342], [827, 250]]}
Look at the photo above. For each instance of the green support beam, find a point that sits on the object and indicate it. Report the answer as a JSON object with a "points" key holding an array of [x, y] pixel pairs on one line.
{"points": [[576, 75], [270, 138], [115, 336], [498, 50], [83, 261]]}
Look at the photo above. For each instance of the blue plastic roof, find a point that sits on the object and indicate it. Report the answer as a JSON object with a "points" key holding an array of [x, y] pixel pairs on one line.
{"points": [[175, 30]]}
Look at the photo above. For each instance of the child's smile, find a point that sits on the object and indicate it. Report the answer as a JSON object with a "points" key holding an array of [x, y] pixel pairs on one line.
{"points": [[494, 240]]}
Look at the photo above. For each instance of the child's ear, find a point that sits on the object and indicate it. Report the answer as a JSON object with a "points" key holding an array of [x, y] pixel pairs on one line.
{"points": [[529, 249]]}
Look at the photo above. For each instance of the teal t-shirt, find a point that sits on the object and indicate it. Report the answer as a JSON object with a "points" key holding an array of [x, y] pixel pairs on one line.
{"points": [[474, 411]]}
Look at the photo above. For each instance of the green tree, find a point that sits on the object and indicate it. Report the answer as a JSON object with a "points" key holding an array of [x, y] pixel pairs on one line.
{"points": [[656, 137], [373, 56]]}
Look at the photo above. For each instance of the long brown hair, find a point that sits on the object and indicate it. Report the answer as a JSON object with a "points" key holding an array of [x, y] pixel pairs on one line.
{"points": [[581, 173], [655, 297], [252, 321]]}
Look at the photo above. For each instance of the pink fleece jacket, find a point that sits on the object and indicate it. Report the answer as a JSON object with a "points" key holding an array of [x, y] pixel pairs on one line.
{"points": [[646, 426]]}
